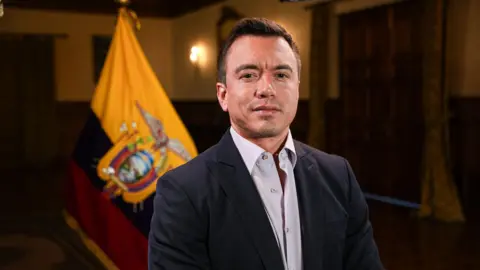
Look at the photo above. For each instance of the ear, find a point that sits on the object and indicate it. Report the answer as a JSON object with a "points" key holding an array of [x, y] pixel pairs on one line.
{"points": [[222, 96]]}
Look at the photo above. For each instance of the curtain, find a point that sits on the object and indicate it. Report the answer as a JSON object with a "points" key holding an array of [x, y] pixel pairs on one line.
{"points": [[439, 193]]}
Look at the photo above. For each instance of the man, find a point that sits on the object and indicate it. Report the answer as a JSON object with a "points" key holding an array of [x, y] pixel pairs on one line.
{"points": [[259, 199]]}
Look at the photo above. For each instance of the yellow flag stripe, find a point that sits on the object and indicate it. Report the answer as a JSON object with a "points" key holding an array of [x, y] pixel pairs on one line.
{"points": [[128, 79]]}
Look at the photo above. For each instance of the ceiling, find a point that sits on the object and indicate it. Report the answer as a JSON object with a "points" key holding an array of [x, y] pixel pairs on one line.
{"points": [[143, 8]]}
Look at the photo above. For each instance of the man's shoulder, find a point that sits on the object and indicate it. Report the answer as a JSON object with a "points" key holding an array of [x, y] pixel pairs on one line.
{"points": [[334, 171], [194, 172], [322, 158]]}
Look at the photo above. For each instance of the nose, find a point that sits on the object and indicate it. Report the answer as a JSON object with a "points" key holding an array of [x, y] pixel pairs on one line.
{"points": [[265, 87]]}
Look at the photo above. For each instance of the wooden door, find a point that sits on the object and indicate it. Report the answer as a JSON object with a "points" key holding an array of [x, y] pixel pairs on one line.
{"points": [[28, 134], [11, 135], [380, 98]]}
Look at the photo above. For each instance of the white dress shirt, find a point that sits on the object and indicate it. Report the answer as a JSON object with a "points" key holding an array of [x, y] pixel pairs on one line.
{"points": [[277, 203]]}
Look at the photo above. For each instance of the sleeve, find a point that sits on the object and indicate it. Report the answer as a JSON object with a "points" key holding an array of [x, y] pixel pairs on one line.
{"points": [[177, 238], [361, 252]]}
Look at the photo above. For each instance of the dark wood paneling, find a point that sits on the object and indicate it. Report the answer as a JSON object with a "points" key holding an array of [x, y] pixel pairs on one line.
{"points": [[11, 102], [465, 151], [71, 117], [26, 101], [381, 99], [205, 121], [333, 126], [464, 146]]}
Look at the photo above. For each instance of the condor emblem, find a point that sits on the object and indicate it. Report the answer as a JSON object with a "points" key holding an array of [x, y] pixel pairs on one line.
{"points": [[132, 166]]}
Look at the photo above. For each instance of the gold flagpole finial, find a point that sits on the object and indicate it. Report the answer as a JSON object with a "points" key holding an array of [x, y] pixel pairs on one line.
{"points": [[123, 3], [133, 16]]}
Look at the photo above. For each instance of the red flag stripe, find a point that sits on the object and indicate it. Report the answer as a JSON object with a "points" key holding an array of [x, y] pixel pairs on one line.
{"points": [[104, 223]]}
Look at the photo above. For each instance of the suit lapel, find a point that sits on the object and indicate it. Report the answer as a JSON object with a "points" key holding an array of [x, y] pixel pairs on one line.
{"points": [[310, 190], [239, 187]]}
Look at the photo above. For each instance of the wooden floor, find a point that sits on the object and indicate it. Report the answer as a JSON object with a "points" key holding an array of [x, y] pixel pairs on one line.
{"points": [[405, 242], [33, 232]]}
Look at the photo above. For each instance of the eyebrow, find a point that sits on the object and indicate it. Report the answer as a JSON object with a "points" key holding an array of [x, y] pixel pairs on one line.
{"points": [[287, 67], [246, 66], [255, 67]]}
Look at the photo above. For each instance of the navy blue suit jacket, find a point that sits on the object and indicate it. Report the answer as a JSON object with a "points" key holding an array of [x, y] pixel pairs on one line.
{"points": [[209, 215]]}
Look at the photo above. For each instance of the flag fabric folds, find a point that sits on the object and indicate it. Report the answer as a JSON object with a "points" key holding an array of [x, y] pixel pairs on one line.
{"points": [[132, 136]]}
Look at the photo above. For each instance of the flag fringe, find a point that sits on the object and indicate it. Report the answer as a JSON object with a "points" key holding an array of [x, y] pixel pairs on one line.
{"points": [[89, 243]]}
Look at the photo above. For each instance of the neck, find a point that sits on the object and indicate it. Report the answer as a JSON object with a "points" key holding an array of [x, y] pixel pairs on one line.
{"points": [[270, 144]]}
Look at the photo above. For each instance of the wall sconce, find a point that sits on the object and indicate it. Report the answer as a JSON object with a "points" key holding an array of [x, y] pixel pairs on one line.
{"points": [[1, 8], [195, 56]]}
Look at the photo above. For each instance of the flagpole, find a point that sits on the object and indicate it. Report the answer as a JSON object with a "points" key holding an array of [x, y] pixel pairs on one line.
{"points": [[123, 3], [133, 16]]}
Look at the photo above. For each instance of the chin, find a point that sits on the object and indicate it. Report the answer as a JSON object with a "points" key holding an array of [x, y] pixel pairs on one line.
{"points": [[261, 128], [266, 131]]}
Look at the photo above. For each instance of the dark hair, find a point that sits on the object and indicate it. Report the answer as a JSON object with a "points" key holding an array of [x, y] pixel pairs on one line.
{"points": [[253, 27]]}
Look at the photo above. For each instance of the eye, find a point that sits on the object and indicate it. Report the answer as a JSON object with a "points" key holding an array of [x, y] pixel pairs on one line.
{"points": [[248, 76], [281, 76]]}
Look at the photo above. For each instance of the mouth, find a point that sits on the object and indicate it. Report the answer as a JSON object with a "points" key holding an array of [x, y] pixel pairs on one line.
{"points": [[266, 108], [266, 111]]}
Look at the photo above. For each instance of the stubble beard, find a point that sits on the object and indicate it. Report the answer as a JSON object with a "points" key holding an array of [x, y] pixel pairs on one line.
{"points": [[267, 130]]}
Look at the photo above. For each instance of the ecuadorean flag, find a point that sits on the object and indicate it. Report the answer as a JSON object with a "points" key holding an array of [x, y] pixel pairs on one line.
{"points": [[132, 136]]}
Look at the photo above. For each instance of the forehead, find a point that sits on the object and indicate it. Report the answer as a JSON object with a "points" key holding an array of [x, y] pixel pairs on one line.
{"points": [[261, 51]]}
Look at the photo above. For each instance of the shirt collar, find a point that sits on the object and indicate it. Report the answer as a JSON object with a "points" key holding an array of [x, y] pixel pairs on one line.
{"points": [[250, 152]]}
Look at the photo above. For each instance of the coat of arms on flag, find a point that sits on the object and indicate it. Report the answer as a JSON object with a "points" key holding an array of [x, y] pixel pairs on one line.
{"points": [[133, 164]]}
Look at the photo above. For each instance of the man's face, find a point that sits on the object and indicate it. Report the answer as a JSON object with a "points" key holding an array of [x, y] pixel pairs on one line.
{"points": [[262, 86]]}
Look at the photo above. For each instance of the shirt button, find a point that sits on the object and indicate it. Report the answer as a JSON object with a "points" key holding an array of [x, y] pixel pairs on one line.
{"points": [[287, 230], [273, 190], [264, 157]]}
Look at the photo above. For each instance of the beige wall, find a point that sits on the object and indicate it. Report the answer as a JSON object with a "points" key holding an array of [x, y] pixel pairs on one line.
{"points": [[167, 44], [200, 28], [463, 44], [472, 51], [74, 55]]}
